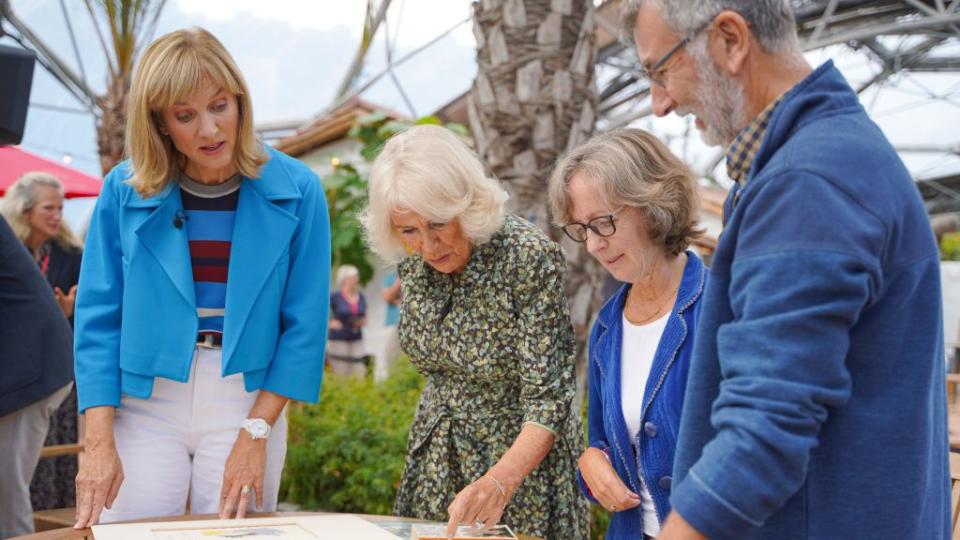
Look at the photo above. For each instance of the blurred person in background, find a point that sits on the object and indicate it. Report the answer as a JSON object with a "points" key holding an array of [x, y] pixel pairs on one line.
{"points": [[203, 299], [485, 319], [33, 206], [346, 354]]}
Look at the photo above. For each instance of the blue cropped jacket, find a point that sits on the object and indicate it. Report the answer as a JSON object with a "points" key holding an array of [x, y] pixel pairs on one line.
{"points": [[662, 399], [136, 311]]}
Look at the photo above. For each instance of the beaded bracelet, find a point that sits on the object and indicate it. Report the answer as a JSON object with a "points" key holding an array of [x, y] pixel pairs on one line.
{"points": [[499, 485]]}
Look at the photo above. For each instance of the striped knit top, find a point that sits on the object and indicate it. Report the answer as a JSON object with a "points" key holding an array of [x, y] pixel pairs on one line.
{"points": [[210, 211]]}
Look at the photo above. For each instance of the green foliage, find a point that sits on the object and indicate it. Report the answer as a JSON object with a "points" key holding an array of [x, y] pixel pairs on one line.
{"points": [[346, 188], [599, 521], [950, 247], [346, 192], [599, 516], [346, 453]]}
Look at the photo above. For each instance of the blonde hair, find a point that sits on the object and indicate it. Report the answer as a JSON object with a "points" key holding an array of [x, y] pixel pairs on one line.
{"points": [[345, 272], [173, 67], [22, 197], [429, 171], [631, 167]]}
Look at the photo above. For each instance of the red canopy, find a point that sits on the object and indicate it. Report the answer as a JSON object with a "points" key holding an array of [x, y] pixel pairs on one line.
{"points": [[14, 162]]}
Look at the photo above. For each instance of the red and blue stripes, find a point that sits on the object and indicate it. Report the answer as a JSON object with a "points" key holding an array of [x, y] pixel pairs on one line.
{"points": [[210, 214]]}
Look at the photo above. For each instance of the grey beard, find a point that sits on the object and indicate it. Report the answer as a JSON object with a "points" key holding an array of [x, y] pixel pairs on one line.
{"points": [[722, 102]]}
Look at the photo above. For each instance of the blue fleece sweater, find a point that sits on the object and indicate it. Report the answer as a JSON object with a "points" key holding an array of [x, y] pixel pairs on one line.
{"points": [[815, 404]]}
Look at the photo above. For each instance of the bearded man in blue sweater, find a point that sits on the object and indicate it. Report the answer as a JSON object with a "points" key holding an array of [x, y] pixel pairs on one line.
{"points": [[815, 405]]}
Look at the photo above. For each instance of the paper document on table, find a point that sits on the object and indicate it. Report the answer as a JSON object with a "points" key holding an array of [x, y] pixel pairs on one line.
{"points": [[426, 531], [333, 527], [256, 532]]}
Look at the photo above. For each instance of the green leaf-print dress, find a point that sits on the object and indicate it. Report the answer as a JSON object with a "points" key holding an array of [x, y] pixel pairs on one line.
{"points": [[496, 346]]}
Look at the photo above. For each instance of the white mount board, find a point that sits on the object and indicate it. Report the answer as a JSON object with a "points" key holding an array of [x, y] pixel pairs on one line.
{"points": [[333, 527]]}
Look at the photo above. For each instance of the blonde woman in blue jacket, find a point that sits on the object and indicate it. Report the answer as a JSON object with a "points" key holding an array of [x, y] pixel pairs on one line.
{"points": [[202, 305]]}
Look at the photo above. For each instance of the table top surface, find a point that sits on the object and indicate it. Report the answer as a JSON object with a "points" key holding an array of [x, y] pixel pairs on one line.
{"points": [[86, 534]]}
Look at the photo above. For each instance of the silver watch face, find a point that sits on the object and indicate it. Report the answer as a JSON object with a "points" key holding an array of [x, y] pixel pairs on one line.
{"points": [[257, 427]]}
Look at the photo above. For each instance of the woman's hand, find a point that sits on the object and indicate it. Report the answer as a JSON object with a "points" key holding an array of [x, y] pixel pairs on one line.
{"points": [[480, 504], [336, 324], [604, 482], [242, 474], [98, 480], [66, 301]]}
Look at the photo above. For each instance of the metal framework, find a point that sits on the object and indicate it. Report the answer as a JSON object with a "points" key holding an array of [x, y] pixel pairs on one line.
{"points": [[857, 24], [900, 37]]}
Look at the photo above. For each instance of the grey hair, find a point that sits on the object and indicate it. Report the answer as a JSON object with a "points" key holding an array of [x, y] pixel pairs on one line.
{"points": [[631, 167], [771, 21], [22, 196], [345, 272]]}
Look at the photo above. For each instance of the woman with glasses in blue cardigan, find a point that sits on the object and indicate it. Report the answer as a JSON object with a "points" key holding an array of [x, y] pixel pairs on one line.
{"points": [[633, 203]]}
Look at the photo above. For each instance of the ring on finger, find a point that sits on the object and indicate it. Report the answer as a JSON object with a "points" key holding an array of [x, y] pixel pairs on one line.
{"points": [[244, 490]]}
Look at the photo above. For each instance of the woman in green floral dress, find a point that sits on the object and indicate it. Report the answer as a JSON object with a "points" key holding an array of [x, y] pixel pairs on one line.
{"points": [[484, 318]]}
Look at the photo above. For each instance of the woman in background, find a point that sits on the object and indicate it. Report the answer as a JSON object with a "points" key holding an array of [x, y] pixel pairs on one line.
{"points": [[33, 206], [348, 313]]}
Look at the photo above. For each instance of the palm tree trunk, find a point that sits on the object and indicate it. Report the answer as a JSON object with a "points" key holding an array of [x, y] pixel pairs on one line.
{"points": [[534, 98], [112, 122], [129, 25]]}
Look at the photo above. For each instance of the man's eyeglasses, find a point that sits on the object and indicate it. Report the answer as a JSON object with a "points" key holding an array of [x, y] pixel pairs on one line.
{"points": [[602, 226], [655, 73]]}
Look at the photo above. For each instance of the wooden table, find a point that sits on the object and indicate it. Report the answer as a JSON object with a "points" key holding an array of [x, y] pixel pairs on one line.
{"points": [[86, 534], [953, 409]]}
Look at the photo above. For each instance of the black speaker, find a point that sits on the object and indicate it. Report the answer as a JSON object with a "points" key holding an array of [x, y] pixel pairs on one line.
{"points": [[16, 65]]}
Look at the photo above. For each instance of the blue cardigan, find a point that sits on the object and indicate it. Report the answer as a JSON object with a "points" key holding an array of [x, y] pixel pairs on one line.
{"points": [[662, 399], [815, 407], [340, 310], [136, 315]]}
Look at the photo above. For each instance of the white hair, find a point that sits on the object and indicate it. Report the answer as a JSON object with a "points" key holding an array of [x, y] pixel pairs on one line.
{"points": [[771, 21], [431, 172], [345, 272]]}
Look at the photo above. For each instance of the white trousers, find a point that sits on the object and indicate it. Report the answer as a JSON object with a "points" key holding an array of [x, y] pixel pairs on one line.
{"points": [[177, 442]]}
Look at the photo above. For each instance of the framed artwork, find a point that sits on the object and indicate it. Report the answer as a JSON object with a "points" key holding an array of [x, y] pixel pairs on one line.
{"points": [[333, 527]]}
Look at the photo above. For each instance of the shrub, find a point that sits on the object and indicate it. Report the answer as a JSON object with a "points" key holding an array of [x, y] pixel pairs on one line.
{"points": [[346, 453], [950, 247]]}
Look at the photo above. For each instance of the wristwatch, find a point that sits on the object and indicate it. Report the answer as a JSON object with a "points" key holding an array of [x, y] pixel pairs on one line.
{"points": [[258, 428]]}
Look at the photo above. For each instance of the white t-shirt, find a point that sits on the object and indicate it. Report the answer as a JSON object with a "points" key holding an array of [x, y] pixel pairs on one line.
{"points": [[637, 350]]}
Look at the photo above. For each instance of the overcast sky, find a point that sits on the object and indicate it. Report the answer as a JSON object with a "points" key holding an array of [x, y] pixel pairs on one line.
{"points": [[295, 52]]}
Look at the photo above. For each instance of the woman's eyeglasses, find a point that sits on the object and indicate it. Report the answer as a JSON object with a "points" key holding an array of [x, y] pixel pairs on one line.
{"points": [[602, 226]]}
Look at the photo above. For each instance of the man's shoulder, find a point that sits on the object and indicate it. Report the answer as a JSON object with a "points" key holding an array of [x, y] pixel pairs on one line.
{"points": [[850, 154]]}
